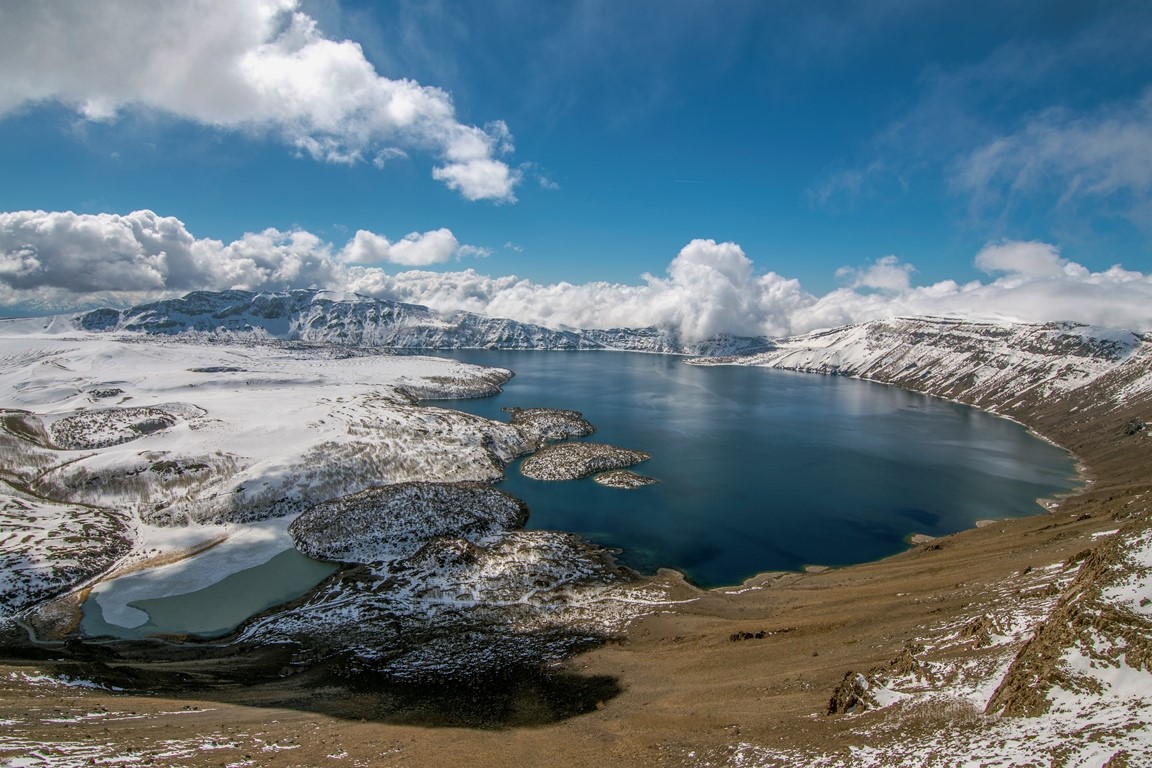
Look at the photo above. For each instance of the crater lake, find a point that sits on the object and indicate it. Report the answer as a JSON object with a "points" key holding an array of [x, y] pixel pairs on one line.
{"points": [[764, 470]]}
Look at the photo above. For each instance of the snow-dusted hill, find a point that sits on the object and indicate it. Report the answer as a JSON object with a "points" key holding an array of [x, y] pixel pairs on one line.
{"points": [[992, 365], [351, 319], [179, 432], [46, 548]]}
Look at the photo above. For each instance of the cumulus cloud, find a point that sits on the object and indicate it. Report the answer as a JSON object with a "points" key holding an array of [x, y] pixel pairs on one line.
{"points": [[415, 249], [1034, 284], [256, 65], [885, 274], [710, 288], [268, 259], [68, 259], [65, 260], [1031, 259]]}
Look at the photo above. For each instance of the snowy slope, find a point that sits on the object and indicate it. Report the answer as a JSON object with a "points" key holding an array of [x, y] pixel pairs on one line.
{"points": [[179, 432], [46, 548], [122, 434], [987, 364], [350, 319]]}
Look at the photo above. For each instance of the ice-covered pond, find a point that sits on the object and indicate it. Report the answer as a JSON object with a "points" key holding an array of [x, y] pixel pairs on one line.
{"points": [[209, 594]]}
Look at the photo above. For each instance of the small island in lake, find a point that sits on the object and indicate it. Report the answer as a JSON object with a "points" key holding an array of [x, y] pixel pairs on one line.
{"points": [[622, 478], [571, 461]]}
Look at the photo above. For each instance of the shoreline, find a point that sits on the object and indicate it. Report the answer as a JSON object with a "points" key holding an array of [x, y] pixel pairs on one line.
{"points": [[912, 539], [1084, 477]]}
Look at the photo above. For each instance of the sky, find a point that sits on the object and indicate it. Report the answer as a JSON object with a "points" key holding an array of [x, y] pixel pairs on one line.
{"points": [[709, 166]]}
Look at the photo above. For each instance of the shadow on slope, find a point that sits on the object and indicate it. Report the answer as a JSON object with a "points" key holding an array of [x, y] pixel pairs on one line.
{"points": [[266, 678]]}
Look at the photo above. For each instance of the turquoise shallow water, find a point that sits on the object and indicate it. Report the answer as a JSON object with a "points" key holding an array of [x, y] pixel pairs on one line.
{"points": [[215, 610], [765, 470]]}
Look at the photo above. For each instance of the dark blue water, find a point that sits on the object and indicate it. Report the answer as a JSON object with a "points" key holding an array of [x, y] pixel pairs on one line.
{"points": [[767, 470]]}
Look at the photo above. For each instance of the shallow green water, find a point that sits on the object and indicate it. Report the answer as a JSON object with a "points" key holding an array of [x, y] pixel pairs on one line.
{"points": [[215, 610]]}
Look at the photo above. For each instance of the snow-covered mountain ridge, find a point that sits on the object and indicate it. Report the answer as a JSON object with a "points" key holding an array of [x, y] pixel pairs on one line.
{"points": [[351, 319], [995, 366]]}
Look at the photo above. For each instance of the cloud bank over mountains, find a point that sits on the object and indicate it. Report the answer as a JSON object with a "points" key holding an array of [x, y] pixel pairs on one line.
{"points": [[62, 260], [260, 66]]}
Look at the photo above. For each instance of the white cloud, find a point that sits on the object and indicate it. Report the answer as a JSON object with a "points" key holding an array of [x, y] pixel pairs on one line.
{"points": [[1031, 259], [269, 259], [1105, 154], [415, 249], [256, 65], [710, 288], [87, 254], [69, 259], [479, 179], [65, 259], [885, 274], [713, 288], [1036, 285]]}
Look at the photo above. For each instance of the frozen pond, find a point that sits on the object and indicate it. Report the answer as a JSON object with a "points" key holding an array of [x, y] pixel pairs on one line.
{"points": [[209, 594]]}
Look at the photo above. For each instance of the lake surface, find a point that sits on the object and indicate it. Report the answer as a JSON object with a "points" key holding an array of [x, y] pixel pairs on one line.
{"points": [[767, 470], [758, 470]]}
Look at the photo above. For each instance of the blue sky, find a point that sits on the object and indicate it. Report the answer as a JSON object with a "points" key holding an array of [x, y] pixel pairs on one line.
{"points": [[863, 150]]}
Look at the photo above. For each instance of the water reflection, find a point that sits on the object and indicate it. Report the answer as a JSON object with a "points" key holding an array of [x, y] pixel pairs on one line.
{"points": [[764, 469]]}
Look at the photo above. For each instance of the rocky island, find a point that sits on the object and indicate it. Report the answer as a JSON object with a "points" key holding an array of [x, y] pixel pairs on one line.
{"points": [[622, 478], [543, 425], [571, 461]]}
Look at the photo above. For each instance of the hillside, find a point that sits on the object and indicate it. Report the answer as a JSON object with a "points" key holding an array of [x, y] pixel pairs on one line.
{"points": [[1057, 658], [996, 366]]}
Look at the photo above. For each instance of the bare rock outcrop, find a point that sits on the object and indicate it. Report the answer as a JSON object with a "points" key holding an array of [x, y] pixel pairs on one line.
{"points": [[571, 461], [387, 522], [622, 478], [543, 425]]}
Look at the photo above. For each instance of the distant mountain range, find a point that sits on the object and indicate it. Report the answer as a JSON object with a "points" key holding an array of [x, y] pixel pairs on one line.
{"points": [[990, 364], [344, 318]]}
